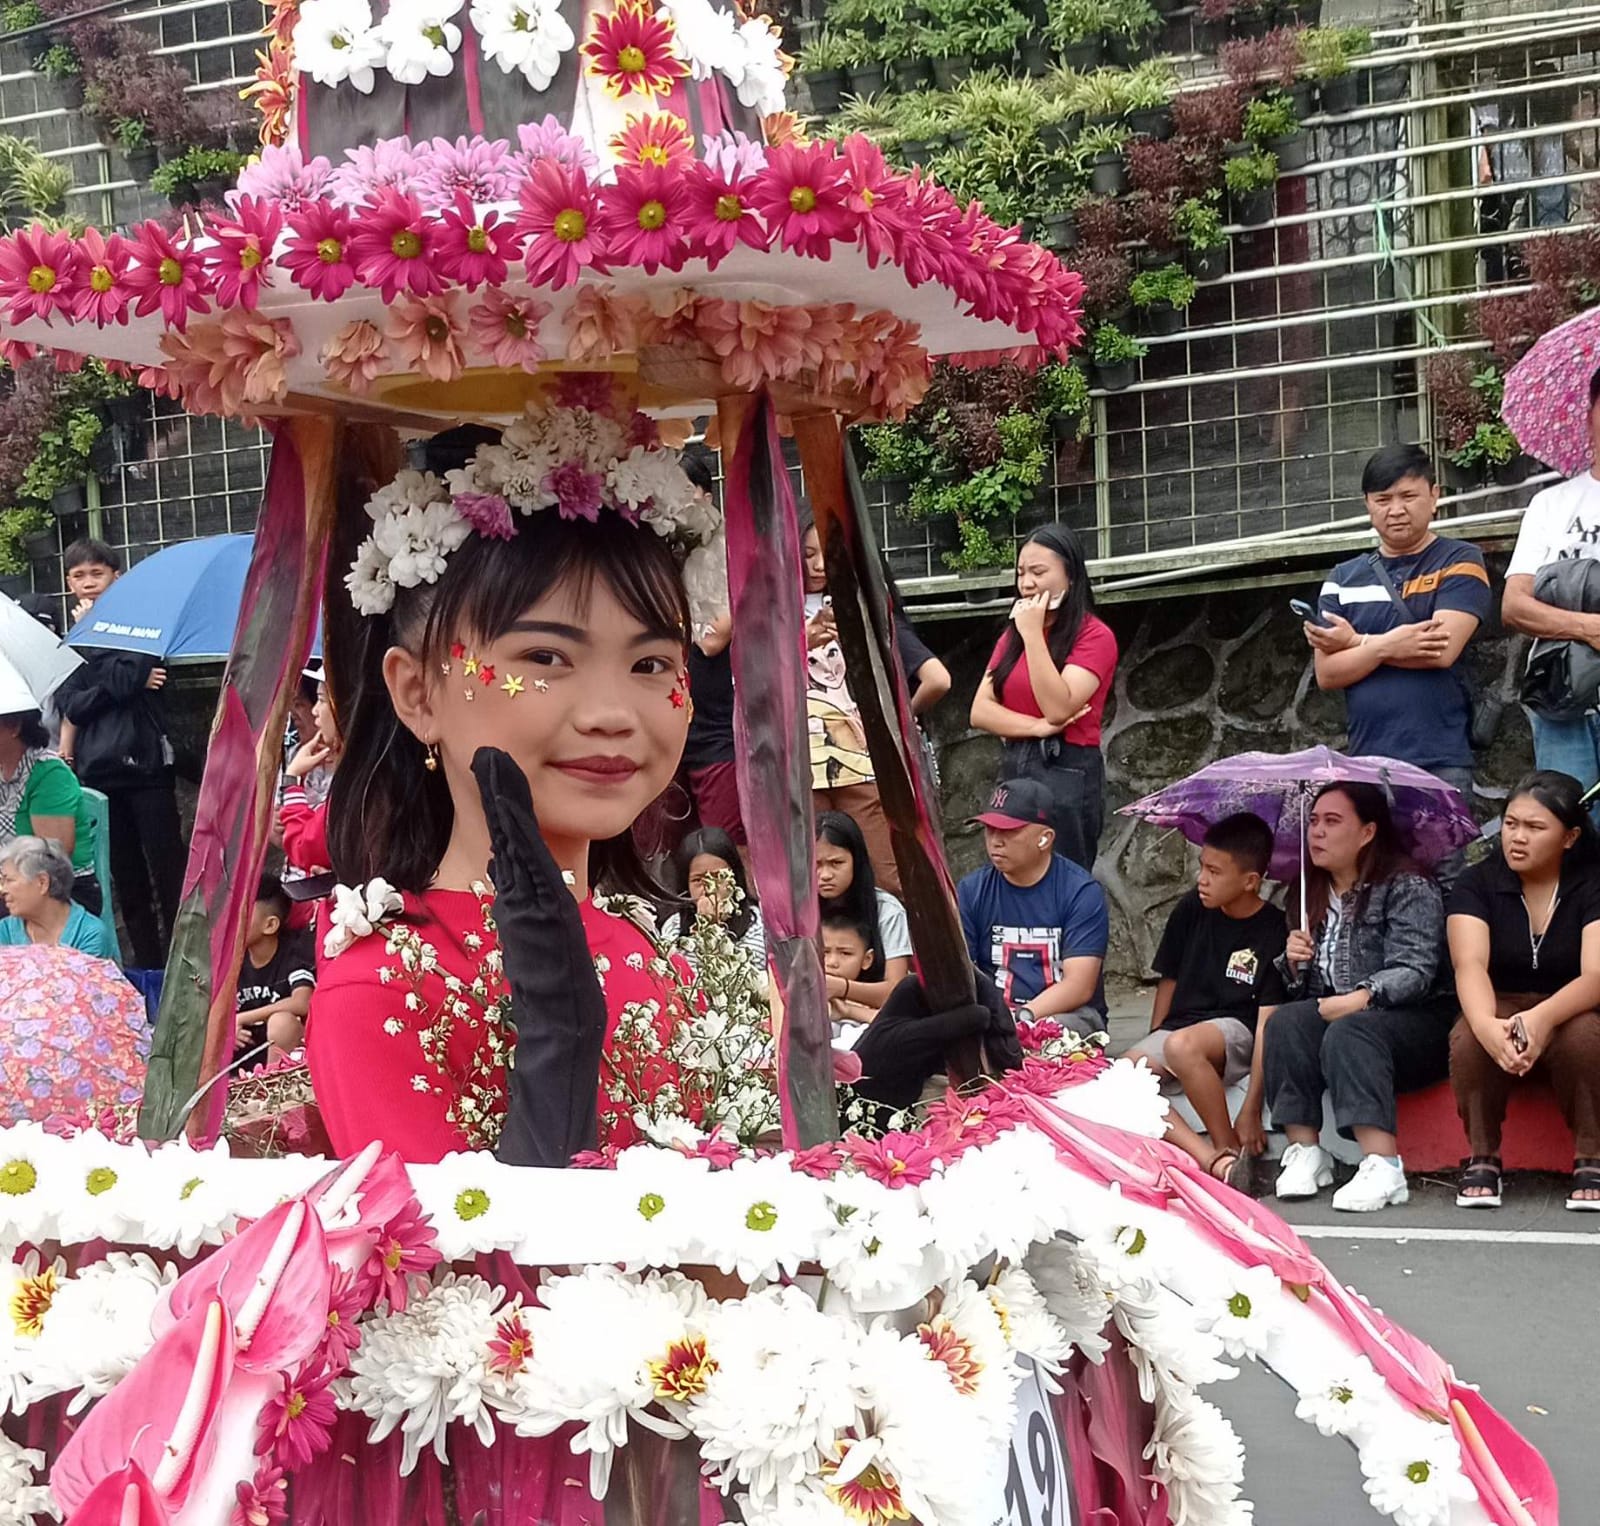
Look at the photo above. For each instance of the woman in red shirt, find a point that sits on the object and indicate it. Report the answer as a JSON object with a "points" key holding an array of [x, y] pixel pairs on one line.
{"points": [[1046, 688], [553, 649]]}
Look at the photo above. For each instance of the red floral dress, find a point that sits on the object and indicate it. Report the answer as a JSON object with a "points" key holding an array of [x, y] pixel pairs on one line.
{"points": [[410, 1033]]}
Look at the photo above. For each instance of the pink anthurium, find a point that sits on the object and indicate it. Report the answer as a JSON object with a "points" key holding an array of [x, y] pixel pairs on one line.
{"points": [[1513, 1481], [357, 1199], [123, 1498]]}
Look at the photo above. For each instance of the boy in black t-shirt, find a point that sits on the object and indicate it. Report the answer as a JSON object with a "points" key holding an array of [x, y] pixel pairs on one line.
{"points": [[276, 976], [1216, 963]]}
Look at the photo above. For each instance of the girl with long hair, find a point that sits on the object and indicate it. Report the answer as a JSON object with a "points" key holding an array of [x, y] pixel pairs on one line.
{"points": [[1524, 931], [510, 684], [846, 883], [698, 860], [1047, 685], [1363, 1022]]}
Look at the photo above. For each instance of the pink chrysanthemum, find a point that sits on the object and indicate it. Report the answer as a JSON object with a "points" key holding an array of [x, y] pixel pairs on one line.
{"points": [[922, 248], [957, 1123], [895, 1160], [389, 164], [404, 1249], [36, 273], [721, 1151], [469, 167], [488, 513], [631, 49], [318, 256], [756, 342], [576, 491], [346, 1304], [642, 218], [262, 1500], [822, 1161], [656, 138], [719, 213], [282, 177], [802, 195], [511, 1347], [472, 250], [505, 329], [240, 259], [876, 194], [392, 245], [428, 335], [558, 213], [297, 1421], [550, 139], [165, 275], [356, 356]]}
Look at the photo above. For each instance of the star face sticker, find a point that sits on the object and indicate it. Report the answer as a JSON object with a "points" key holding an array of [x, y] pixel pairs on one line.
{"points": [[513, 685], [457, 650], [470, 665], [678, 699]]}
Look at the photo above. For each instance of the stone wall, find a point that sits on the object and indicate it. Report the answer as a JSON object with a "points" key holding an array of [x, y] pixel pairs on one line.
{"points": [[1200, 678]]}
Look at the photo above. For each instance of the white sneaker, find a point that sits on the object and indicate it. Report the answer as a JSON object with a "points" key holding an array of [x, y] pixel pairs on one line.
{"points": [[1375, 1185], [1304, 1170]]}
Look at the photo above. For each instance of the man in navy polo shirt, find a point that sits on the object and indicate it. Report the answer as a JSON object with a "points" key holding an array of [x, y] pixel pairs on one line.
{"points": [[1036, 923], [1396, 623]]}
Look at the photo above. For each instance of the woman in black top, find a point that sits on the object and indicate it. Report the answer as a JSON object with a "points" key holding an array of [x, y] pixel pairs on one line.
{"points": [[1525, 940]]}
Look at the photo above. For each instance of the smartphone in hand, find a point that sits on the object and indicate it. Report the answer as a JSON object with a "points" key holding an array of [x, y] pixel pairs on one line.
{"points": [[1306, 612]]}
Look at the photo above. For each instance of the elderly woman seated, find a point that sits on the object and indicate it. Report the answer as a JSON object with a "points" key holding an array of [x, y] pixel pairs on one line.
{"points": [[36, 884]]}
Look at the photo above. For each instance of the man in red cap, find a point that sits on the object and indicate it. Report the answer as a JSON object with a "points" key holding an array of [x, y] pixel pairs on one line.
{"points": [[1036, 922]]}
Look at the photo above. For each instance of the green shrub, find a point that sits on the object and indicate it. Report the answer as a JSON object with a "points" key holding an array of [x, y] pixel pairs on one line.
{"points": [[826, 52], [1112, 347], [1270, 117], [194, 167], [1171, 284], [1198, 223], [1251, 172]]}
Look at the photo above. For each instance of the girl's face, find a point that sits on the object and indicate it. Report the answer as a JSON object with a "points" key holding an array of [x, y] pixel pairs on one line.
{"points": [[1532, 838], [1337, 834], [1040, 570], [836, 870], [701, 888], [322, 718], [589, 703], [816, 572]]}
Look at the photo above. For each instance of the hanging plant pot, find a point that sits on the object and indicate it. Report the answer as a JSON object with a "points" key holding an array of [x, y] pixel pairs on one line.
{"points": [[1303, 96], [1163, 319], [142, 162], [1254, 208], [914, 151], [913, 74], [896, 490], [69, 500], [826, 89], [1149, 257], [1061, 229], [1207, 36], [1151, 122], [1461, 479], [14, 585], [866, 79], [1064, 427], [1118, 377], [1513, 472], [1389, 83], [1340, 94], [1083, 55], [1207, 264], [949, 72], [1108, 176], [908, 562], [1125, 51], [1293, 151], [39, 545], [1035, 58], [1238, 150]]}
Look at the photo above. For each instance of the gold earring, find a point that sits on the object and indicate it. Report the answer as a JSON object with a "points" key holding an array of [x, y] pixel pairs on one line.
{"points": [[430, 756]]}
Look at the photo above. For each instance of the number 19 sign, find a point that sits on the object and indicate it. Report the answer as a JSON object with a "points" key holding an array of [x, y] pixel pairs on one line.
{"points": [[1038, 1483]]}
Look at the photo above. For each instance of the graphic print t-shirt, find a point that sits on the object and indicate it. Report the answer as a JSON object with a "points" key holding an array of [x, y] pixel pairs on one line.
{"points": [[292, 967], [1221, 966], [839, 754], [1021, 938], [1562, 522]]}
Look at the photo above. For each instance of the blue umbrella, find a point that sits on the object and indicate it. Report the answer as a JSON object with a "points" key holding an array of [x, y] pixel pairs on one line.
{"points": [[181, 604]]}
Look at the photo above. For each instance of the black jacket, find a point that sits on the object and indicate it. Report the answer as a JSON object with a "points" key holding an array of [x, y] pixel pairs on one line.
{"points": [[121, 739]]}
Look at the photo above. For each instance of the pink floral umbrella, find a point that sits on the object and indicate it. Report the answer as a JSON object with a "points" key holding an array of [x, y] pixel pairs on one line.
{"points": [[74, 1040], [1547, 394]]}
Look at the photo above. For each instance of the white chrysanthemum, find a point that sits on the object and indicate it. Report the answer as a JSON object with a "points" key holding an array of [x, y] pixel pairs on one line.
{"points": [[1125, 1096], [34, 1174], [368, 582], [1197, 1456], [187, 1202], [965, 1339], [27, 1293], [1246, 1313], [21, 1500], [98, 1327], [875, 1241], [335, 41], [472, 1200], [1025, 1318], [407, 489], [764, 1218], [595, 1336], [653, 480], [1073, 1295], [706, 37], [104, 1189], [1126, 1250], [810, 1505], [705, 580], [782, 1391], [1339, 1399], [1413, 1471], [418, 541], [530, 35], [419, 37], [422, 1369], [1166, 1349], [359, 910], [662, 1194], [761, 77]]}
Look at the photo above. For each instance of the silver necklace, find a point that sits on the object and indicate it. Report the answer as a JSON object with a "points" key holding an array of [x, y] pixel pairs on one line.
{"points": [[1536, 941]]}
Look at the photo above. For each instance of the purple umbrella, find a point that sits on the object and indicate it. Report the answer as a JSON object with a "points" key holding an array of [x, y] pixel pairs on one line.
{"points": [[1433, 819]]}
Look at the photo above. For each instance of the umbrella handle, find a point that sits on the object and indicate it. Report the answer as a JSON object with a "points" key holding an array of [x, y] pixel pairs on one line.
{"points": [[197, 1097]]}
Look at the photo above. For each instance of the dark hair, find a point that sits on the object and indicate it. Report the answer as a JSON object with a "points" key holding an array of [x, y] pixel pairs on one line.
{"points": [[1386, 467], [390, 816], [1380, 861], [30, 727], [860, 901], [846, 921], [715, 843], [1245, 838], [90, 552], [1562, 796], [698, 470], [270, 893], [1594, 389], [1067, 621], [44, 608]]}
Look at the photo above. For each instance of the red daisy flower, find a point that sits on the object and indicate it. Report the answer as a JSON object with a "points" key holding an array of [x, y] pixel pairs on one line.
{"points": [[642, 218], [631, 50], [511, 1346], [240, 260], [896, 1160], [165, 275], [877, 195], [823, 1161], [802, 195], [719, 213], [346, 1304], [405, 1247], [474, 250], [318, 258], [36, 272], [660, 138], [871, 1497], [297, 1421], [392, 246], [558, 213], [261, 1501]]}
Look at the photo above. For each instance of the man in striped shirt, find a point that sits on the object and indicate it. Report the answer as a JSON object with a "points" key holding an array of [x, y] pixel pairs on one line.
{"points": [[1395, 623]]}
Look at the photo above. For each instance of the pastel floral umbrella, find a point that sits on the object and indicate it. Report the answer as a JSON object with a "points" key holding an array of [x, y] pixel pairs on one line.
{"points": [[74, 1040], [1546, 400]]}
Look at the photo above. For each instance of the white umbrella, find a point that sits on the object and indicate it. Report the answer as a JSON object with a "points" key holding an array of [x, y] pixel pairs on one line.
{"points": [[33, 655]]}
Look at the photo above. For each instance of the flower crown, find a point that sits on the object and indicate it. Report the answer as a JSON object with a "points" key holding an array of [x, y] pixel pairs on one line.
{"points": [[575, 460]]}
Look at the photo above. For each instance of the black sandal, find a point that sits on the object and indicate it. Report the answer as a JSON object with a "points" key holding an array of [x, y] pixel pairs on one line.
{"points": [[1585, 1178], [1483, 1172]]}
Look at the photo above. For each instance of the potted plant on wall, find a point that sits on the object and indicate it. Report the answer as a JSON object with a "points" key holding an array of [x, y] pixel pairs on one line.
{"points": [[1099, 152], [1327, 53], [1252, 181], [1147, 99], [21, 541], [1271, 126], [822, 64], [1198, 226], [898, 458], [1116, 358], [61, 66], [1133, 25], [1076, 29], [197, 175], [1162, 297]]}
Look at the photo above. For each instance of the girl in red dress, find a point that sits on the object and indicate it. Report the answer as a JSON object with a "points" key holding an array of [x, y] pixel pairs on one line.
{"points": [[561, 645]]}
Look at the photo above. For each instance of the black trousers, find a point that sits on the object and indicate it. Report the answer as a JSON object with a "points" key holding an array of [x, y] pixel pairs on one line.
{"points": [[1076, 779], [86, 892], [147, 863], [1362, 1061]]}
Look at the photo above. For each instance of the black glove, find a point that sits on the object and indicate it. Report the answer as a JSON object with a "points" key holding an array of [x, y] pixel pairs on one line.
{"points": [[556, 1000]]}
